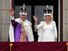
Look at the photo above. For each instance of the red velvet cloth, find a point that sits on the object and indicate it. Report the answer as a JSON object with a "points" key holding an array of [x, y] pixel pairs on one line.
{"points": [[35, 46], [4, 46]]}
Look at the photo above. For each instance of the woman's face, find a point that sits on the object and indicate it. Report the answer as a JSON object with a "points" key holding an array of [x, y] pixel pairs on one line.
{"points": [[47, 18]]}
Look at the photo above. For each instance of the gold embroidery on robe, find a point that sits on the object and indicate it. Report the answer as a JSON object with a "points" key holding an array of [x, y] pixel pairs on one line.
{"points": [[23, 35]]}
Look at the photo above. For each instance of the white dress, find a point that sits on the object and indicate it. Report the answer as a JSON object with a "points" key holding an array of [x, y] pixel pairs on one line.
{"points": [[47, 32]]}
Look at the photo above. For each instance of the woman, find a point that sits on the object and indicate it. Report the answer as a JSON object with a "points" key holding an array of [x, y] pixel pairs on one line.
{"points": [[46, 29]]}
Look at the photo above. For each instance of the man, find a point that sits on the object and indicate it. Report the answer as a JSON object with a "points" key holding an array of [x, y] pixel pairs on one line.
{"points": [[20, 29]]}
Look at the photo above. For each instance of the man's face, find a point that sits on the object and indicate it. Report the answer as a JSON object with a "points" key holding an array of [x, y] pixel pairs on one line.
{"points": [[23, 17]]}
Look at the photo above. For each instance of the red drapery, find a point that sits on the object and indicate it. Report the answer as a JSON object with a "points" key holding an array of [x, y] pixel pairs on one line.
{"points": [[35, 46]]}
